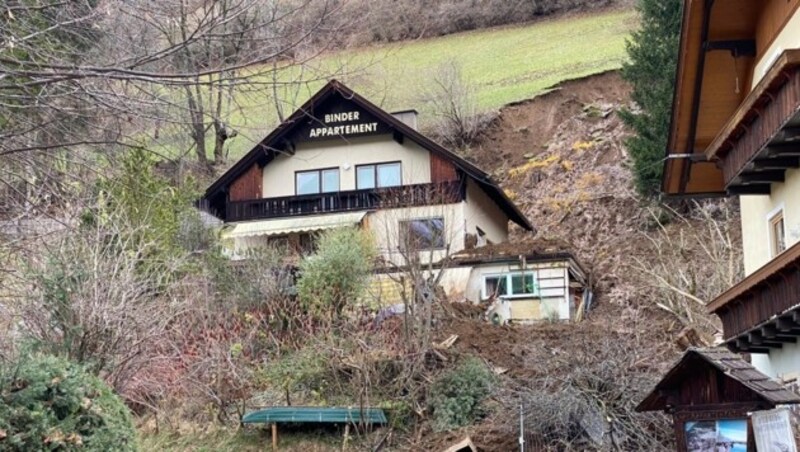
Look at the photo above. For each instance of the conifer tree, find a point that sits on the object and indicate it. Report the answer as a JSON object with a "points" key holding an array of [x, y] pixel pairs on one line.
{"points": [[653, 52]]}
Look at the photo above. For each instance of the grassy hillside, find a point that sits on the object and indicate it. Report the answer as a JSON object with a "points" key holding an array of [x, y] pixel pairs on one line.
{"points": [[504, 65]]}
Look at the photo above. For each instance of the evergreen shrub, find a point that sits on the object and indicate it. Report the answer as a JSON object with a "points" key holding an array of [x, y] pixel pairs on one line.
{"points": [[456, 396], [49, 403]]}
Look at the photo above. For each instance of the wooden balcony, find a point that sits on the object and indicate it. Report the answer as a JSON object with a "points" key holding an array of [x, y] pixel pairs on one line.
{"points": [[762, 139], [343, 201], [763, 310]]}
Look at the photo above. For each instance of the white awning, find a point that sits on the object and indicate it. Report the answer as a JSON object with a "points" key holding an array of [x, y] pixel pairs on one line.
{"points": [[283, 226]]}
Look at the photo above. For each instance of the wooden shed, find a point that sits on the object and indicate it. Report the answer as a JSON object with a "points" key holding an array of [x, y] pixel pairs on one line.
{"points": [[709, 393]]}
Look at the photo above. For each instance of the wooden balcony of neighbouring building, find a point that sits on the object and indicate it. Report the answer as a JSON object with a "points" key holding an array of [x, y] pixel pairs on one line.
{"points": [[343, 201], [762, 138], [762, 312]]}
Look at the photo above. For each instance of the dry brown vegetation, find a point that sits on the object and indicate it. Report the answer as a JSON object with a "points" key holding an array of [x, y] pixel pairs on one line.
{"points": [[215, 339]]}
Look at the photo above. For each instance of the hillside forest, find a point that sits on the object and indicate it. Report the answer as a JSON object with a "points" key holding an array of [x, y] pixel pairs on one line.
{"points": [[124, 325]]}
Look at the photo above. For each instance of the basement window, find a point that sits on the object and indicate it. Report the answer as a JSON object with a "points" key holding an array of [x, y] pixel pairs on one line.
{"points": [[510, 285], [777, 234]]}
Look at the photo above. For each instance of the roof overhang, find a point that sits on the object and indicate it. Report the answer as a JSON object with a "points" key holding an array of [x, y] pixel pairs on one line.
{"points": [[283, 226], [714, 62], [762, 311], [763, 390]]}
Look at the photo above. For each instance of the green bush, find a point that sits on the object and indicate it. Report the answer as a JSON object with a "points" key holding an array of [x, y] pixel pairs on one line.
{"points": [[456, 396], [338, 272], [48, 403]]}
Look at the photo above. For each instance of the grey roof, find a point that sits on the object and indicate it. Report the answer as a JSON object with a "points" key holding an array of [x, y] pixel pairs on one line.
{"points": [[731, 365]]}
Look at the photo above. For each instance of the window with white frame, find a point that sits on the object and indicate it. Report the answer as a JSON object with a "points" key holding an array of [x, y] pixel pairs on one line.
{"points": [[777, 234], [510, 285]]}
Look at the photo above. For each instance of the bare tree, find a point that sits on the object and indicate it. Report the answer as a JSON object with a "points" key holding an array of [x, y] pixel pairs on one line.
{"points": [[85, 78], [686, 271], [417, 246], [452, 100]]}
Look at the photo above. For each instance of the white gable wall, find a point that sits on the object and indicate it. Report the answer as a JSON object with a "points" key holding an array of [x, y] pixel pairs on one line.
{"points": [[279, 175], [481, 212]]}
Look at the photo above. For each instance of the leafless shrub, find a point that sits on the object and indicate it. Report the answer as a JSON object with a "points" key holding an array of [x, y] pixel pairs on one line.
{"points": [[88, 296], [586, 399], [684, 271], [452, 101], [236, 316]]}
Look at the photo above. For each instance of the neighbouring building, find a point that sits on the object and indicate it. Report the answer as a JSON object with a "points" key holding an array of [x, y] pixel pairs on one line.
{"points": [[736, 132], [340, 160], [524, 280]]}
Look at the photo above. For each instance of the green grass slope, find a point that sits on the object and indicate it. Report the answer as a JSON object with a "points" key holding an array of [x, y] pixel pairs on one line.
{"points": [[503, 65]]}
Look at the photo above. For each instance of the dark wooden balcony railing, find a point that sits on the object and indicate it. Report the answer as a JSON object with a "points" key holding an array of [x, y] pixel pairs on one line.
{"points": [[758, 143], [763, 310], [343, 201]]}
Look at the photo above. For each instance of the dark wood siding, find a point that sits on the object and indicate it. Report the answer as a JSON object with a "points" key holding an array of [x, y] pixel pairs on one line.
{"points": [[442, 170], [762, 299], [247, 186], [766, 121], [344, 201]]}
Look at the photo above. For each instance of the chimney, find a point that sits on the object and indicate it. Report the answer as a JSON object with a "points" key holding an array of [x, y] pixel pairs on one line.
{"points": [[409, 117]]}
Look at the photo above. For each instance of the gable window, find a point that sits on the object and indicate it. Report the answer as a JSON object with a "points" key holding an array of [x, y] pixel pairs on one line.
{"points": [[481, 236], [317, 181], [378, 175], [510, 285], [777, 234], [422, 234]]}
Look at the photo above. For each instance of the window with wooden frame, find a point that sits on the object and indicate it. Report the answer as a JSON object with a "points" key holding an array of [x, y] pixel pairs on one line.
{"points": [[777, 234], [422, 234], [378, 175], [316, 181]]}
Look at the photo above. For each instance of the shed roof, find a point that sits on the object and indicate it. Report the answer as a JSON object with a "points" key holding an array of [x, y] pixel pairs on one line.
{"points": [[532, 248], [733, 366], [316, 415]]}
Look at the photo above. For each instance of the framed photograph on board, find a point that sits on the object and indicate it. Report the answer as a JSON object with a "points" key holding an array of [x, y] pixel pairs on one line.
{"points": [[724, 435]]}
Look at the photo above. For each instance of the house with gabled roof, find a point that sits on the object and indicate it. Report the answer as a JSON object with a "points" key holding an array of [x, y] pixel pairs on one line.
{"points": [[340, 160]]}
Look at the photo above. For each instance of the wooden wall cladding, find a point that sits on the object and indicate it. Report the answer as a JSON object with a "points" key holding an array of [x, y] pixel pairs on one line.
{"points": [[442, 170], [248, 186]]}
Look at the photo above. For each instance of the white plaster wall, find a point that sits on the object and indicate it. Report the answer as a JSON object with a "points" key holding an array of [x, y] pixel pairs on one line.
{"points": [[554, 293], [278, 176], [385, 226], [788, 38], [455, 281], [481, 211], [755, 220], [780, 364]]}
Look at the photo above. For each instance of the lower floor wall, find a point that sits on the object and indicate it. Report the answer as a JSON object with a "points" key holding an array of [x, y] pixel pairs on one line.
{"points": [[782, 364], [553, 299]]}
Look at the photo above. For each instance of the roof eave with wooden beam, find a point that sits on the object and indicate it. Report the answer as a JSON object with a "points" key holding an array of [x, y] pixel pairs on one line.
{"points": [[762, 312], [710, 33], [762, 139]]}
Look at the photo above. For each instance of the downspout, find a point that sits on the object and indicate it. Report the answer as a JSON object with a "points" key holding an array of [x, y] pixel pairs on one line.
{"points": [[698, 91]]}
